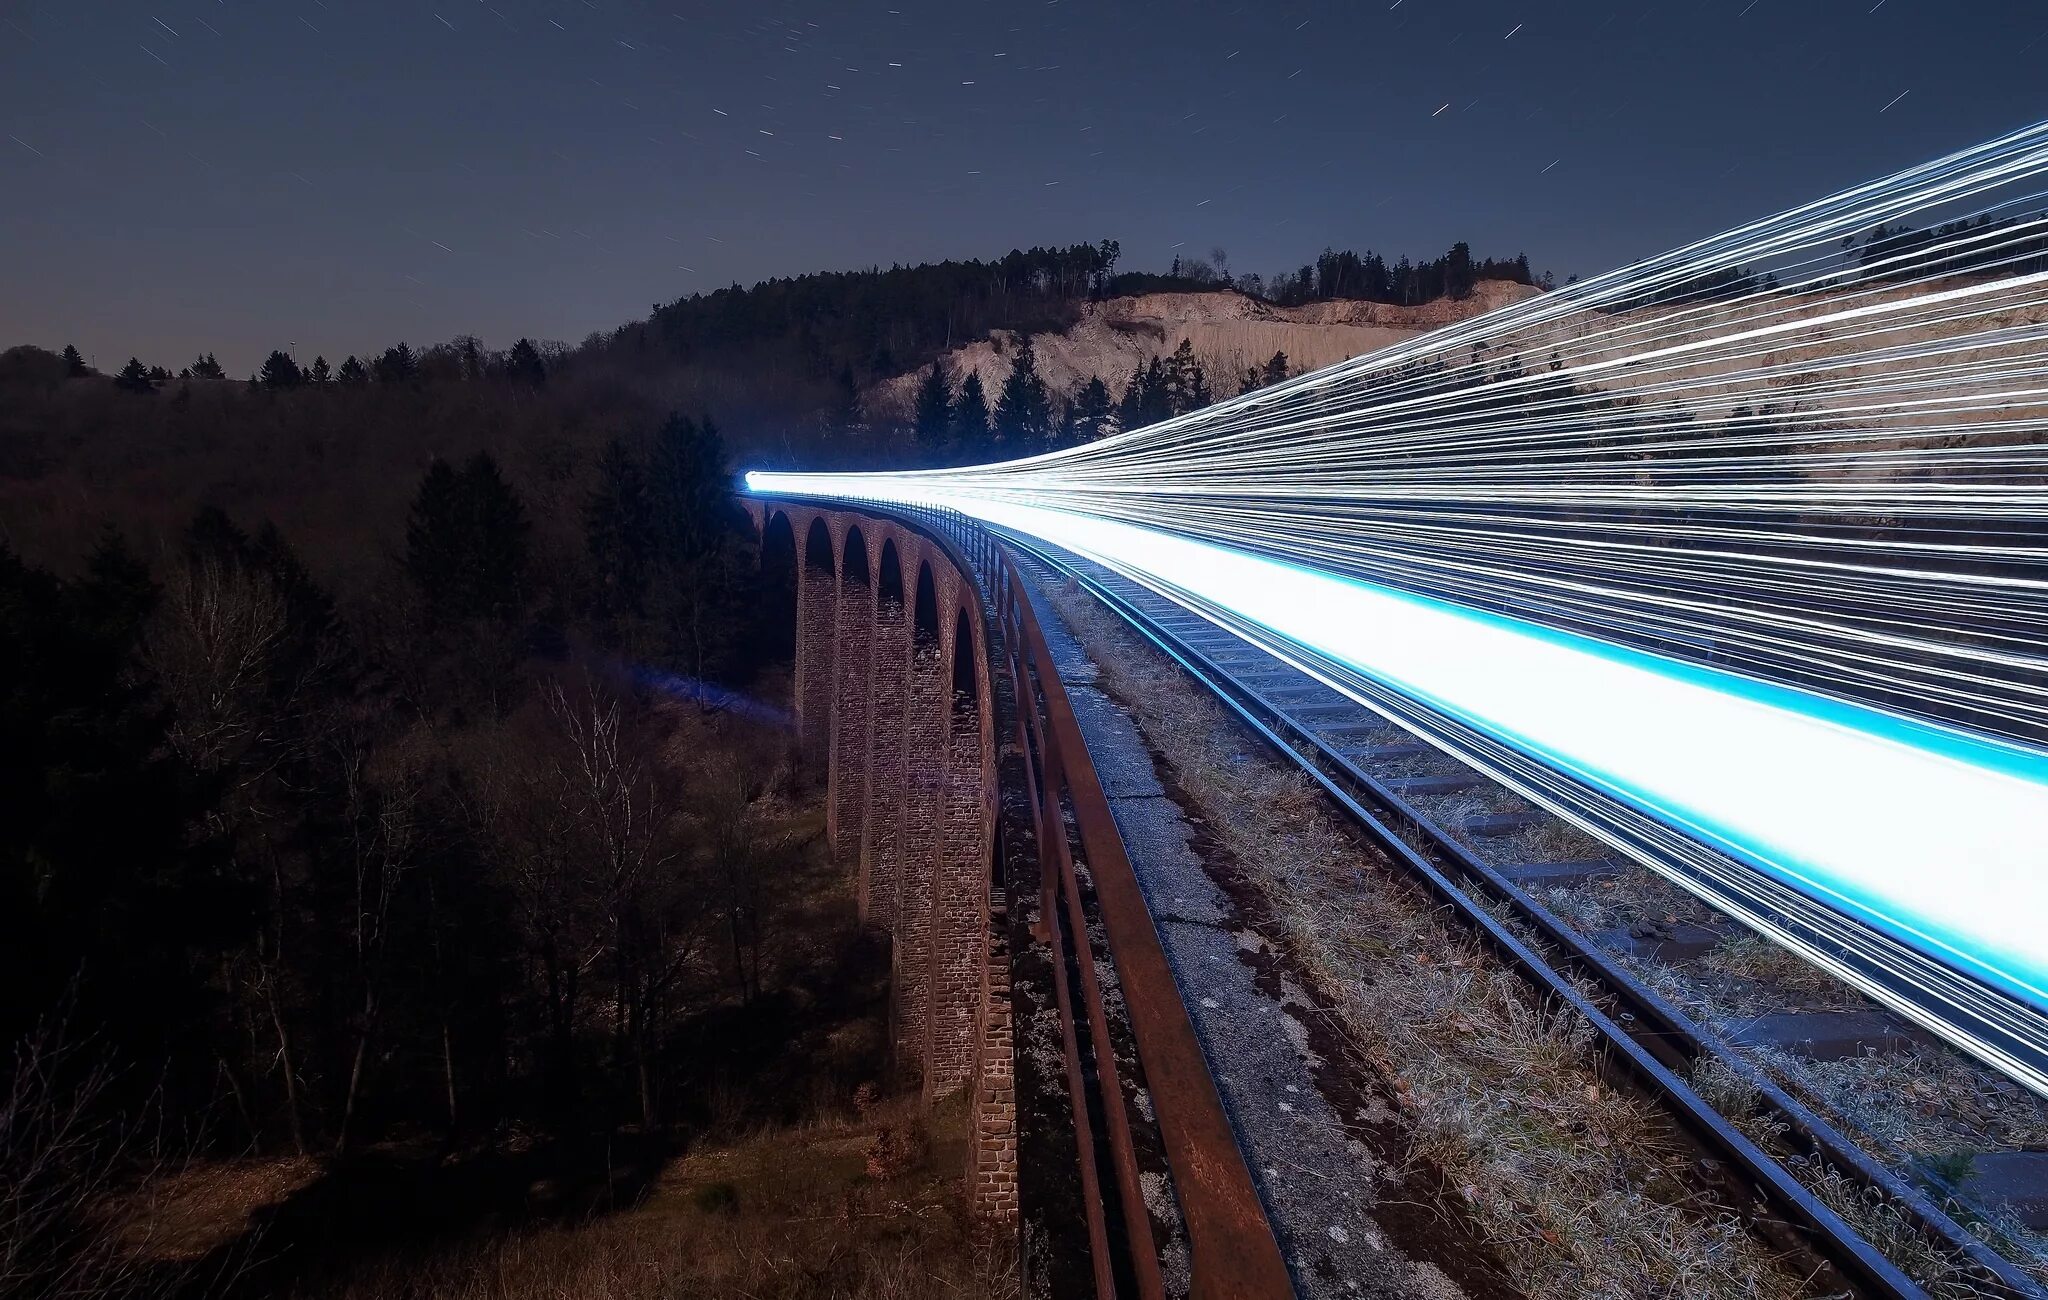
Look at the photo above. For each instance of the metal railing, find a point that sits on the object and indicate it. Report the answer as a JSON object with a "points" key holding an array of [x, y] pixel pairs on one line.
{"points": [[1231, 1244]]}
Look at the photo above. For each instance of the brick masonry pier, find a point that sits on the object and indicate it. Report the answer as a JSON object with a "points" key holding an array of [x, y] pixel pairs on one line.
{"points": [[892, 696]]}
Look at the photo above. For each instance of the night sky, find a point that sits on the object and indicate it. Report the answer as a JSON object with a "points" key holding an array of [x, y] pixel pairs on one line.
{"points": [[179, 176]]}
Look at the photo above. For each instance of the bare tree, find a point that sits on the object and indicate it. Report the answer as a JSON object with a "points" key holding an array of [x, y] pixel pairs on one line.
{"points": [[216, 631], [731, 811], [60, 1157], [383, 834], [595, 872]]}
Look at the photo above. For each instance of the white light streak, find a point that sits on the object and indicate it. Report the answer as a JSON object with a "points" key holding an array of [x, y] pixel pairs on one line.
{"points": [[1736, 557]]}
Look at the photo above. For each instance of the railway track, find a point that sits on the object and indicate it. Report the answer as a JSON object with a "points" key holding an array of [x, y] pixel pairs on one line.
{"points": [[1458, 833]]}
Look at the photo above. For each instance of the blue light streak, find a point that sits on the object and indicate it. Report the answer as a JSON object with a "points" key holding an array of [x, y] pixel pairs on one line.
{"points": [[1934, 836]]}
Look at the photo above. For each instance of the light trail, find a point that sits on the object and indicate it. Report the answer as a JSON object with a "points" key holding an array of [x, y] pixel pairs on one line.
{"points": [[1737, 558]]}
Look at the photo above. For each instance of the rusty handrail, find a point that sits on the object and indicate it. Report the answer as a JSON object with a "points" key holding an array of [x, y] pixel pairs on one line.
{"points": [[1030, 742], [1232, 1249], [1060, 911]]}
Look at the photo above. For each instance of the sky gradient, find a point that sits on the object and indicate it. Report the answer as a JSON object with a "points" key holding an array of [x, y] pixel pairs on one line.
{"points": [[180, 176]]}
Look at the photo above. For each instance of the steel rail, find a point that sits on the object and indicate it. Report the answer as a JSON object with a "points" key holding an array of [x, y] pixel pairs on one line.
{"points": [[1662, 1039]]}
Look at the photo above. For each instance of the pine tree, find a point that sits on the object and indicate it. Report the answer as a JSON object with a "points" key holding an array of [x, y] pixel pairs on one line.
{"points": [[1149, 397], [1023, 411], [524, 366], [74, 365], [1106, 255], [698, 555], [1273, 372], [1158, 391], [1187, 385], [618, 529], [1458, 272], [208, 368], [280, 371], [933, 422], [466, 541], [500, 529], [398, 365], [970, 421], [847, 417], [691, 490], [1089, 417], [134, 378], [158, 376], [436, 542], [352, 372], [319, 374], [1178, 367]]}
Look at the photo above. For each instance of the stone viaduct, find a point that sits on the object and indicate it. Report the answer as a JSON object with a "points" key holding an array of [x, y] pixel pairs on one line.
{"points": [[893, 698]]}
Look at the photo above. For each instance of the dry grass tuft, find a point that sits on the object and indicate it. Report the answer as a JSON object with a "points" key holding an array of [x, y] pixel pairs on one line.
{"points": [[1885, 1227], [1584, 1191], [787, 1214], [184, 1216], [1929, 1102], [1752, 959], [1635, 895]]}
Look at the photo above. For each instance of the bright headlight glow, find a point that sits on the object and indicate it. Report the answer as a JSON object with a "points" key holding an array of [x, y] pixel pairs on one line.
{"points": [[1737, 557]]}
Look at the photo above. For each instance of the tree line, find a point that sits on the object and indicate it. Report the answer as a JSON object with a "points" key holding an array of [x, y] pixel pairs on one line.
{"points": [[873, 322], [463, 359], [1345, 274], [1901, 252]]}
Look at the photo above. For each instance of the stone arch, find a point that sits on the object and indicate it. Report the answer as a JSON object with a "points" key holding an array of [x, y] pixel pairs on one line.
{"points": [[965, 687], [818, 546], [889, 574], [779, 586], [817, 615], [852, 712], [926, 625], [854, 562]]}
